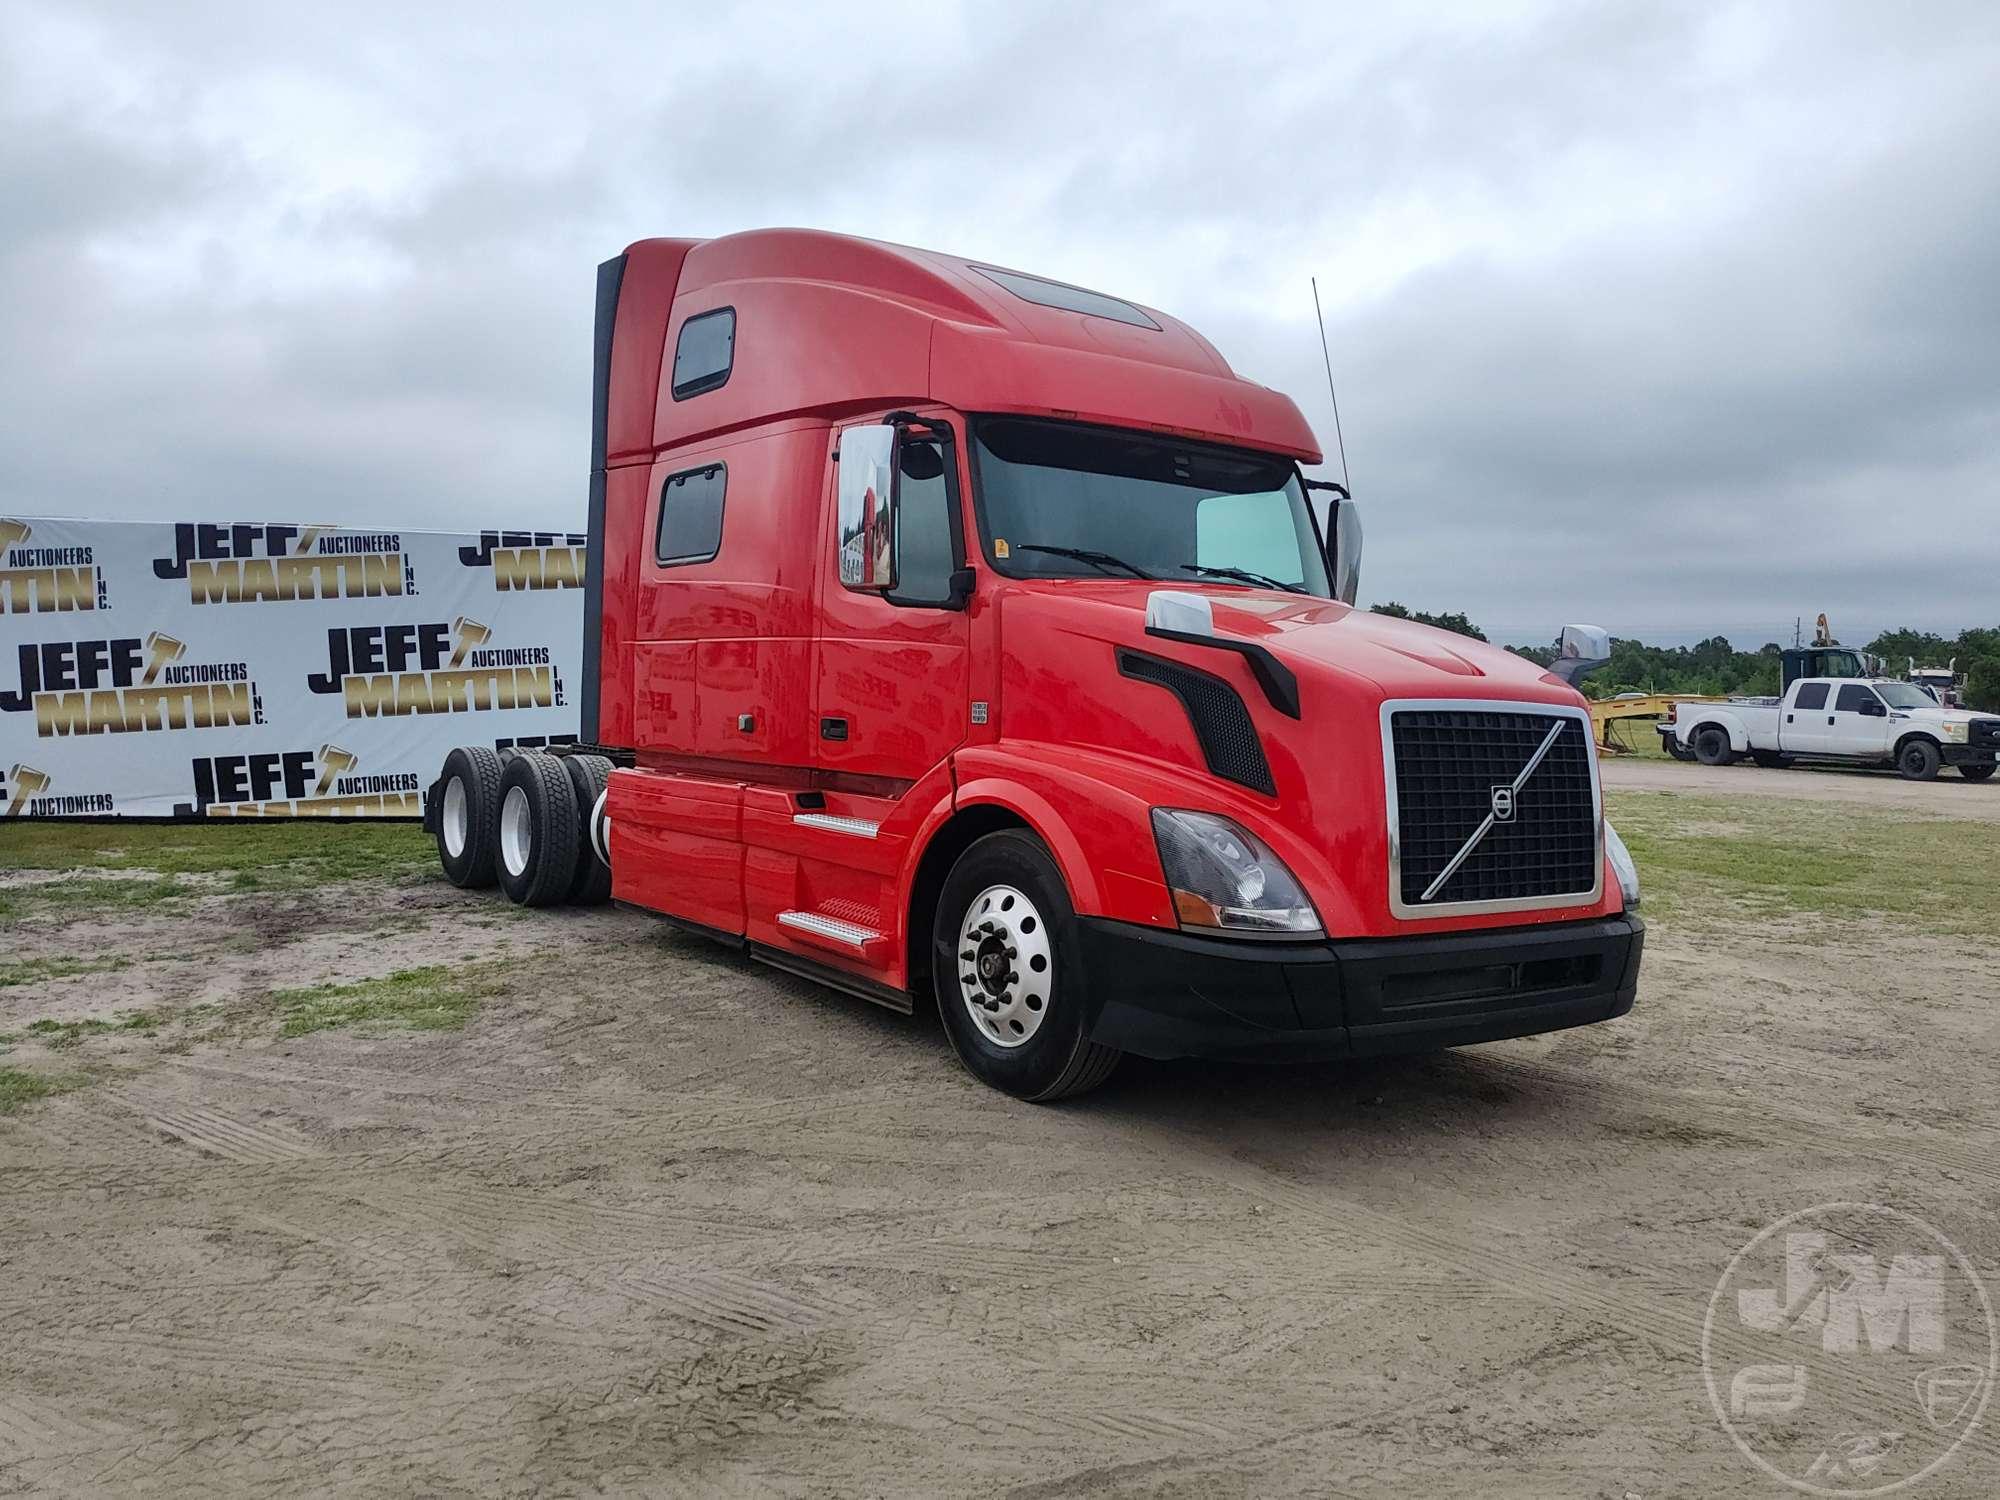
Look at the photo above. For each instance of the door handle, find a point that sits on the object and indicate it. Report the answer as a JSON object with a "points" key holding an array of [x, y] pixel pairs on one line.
{"points": [[833, 729], [1829, 718]]}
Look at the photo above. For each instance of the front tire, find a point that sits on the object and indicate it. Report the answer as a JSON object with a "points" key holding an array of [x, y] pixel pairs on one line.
{"points": [[1976, 773], [1771, 760], [538, 835], [1711, 747], [1004, 961], [1918, 760], [468, 816]]}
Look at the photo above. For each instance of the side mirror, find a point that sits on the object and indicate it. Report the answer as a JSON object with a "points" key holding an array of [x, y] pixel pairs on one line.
{"points": [[1344, 549], [868, 508], [1580, 650], [1875, 709]]}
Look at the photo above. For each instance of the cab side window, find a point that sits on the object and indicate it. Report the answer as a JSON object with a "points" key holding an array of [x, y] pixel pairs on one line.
{"points": [[1854, 699], [926, 552], [1812, 695]]}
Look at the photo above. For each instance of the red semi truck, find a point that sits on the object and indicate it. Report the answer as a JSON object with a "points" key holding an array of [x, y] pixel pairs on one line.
{"points": [[957, 633]]}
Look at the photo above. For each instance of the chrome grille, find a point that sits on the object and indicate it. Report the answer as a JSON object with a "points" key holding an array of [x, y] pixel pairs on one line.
{"points": [[1445, 764]]}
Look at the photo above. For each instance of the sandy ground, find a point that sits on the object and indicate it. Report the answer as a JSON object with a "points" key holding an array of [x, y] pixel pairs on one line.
{"points": [[659, 1221], [1950, 796]]}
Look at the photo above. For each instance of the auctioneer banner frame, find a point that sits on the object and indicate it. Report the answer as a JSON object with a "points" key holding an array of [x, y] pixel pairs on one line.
{"points": [[187, 669]]}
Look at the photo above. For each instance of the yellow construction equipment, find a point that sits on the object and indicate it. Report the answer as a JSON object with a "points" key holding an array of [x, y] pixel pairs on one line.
{"points": [[1608, 711]]}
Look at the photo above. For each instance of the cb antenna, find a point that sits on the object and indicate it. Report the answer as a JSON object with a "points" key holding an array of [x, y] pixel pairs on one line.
{"points": [[1341, 441]]}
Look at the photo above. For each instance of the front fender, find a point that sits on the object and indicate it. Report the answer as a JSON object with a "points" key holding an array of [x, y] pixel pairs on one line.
{"points": [[1094, 810]]}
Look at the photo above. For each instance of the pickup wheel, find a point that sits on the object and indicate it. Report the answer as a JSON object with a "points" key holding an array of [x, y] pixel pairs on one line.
{"points": [[1976, 773], [1917, 760], [468, 816], [1004, 959], [1711, 746], [588, 777], [538, 830], [1771, 760]]}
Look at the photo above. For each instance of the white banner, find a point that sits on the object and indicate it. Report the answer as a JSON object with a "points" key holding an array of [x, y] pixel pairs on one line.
{"points": [[195, 669]]}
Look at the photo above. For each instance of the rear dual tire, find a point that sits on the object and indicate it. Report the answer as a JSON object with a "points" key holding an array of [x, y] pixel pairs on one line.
{"points": [[468, 816], [589, 776], [536, 848], [1711, 747]]}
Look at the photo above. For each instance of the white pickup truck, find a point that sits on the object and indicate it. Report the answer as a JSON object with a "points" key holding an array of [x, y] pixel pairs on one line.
{"points": [[1869, 722]]}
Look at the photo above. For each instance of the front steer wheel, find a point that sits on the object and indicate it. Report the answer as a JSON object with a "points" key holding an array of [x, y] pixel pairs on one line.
{"points": [[1009, 987], [1976, 773], [538, 830], [1918, 760]]}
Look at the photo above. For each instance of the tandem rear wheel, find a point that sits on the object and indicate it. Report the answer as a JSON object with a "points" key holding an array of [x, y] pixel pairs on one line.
{"points": [[521, 819]]}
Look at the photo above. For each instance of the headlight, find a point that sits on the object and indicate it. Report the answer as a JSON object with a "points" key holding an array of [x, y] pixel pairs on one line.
{"points": [[1621, 862], [1955, 731], [1224, 878]]}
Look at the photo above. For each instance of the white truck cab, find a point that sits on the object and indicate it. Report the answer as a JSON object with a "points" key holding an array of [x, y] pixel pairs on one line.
{"points": [[1868, 722]]}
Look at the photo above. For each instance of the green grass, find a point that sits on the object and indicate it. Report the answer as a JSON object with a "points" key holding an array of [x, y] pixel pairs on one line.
{"points": [[19, 1087], [35, 970], [186, 859], [1713, 858], [435, 998]]}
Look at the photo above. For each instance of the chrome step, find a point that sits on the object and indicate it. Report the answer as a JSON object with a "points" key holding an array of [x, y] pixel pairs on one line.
{"points": [[847, 934]]}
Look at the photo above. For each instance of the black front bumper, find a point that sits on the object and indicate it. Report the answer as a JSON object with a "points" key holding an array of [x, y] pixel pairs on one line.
{"points": [[1168, 994]]}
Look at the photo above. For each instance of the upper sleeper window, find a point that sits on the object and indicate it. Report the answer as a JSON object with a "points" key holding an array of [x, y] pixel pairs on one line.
{"points": [[704, 353], [1069, 298]]}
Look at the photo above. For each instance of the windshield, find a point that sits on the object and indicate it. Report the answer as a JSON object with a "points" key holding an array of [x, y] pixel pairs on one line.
{"points": [[1060, 500], [1903, 695]]}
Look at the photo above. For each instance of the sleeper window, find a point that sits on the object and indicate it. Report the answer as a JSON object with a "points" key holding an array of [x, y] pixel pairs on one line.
{"points": [[704, 353], [691, 515]]}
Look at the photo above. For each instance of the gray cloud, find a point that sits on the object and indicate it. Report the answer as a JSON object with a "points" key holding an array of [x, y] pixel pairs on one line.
{"points": [[1681, 319]]}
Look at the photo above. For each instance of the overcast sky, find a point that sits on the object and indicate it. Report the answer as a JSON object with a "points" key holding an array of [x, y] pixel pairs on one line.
{"points": [[1678, 319]]}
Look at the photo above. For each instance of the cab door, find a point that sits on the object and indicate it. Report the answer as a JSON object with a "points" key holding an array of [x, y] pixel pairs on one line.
{"points": [[1808, 720], [1860, 721], [889, 705], [891, 669]]}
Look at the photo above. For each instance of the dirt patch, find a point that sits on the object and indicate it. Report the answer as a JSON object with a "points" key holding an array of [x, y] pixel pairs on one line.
{"points": [[652, 1219]]}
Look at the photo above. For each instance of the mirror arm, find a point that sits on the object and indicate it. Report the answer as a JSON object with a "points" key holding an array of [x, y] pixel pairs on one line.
{"points": [[1329, 485]]}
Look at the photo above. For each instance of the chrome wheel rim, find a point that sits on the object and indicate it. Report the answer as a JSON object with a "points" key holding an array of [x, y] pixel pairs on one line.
{"points": [[455, 817], [517, 834], [1006, 967]]}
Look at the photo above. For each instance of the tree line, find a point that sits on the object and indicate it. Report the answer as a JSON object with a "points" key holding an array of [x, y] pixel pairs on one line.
{"points": [[1716, 668]]}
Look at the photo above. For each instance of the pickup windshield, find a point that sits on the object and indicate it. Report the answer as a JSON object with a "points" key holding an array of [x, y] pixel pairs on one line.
{"points": [[1903, 695], [1062, 500]]}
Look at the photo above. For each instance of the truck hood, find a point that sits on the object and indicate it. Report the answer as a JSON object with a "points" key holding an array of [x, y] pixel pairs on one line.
{"points": [[1941, 715], [1071, 688], [1319, 639]]}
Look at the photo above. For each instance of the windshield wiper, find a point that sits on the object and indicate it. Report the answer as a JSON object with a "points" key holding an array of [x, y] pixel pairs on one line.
{"points": [[1103, 561], [1244, 575]]}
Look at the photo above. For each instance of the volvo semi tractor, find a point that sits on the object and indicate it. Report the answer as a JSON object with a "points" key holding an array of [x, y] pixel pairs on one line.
{"points": [[959, 635]]}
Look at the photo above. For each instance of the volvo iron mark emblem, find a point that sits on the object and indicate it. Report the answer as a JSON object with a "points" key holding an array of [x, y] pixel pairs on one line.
{"points": [[1503, 804]]}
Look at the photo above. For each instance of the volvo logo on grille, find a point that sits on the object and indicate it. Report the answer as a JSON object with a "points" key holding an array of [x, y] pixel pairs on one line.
{"points": [[1503, 804]]}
